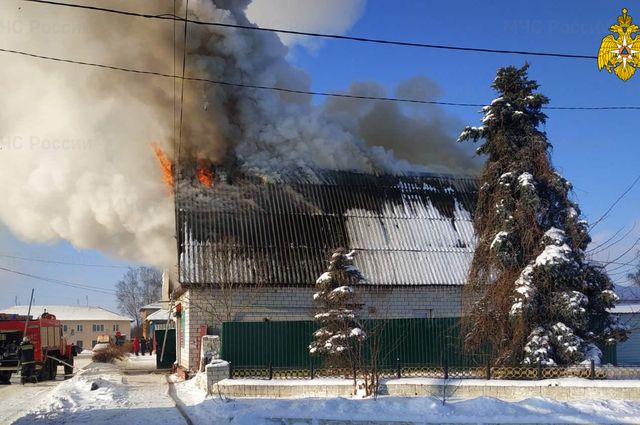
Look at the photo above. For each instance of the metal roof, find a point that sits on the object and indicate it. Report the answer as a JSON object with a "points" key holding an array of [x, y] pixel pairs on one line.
{"points": [[161, 315], [407, 230]]}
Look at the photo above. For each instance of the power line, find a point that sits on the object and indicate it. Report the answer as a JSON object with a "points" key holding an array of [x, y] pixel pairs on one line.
{"points": [[618, 199], [319, 35], [41, 260], [289, 90], [61, 282], [230, 84]]}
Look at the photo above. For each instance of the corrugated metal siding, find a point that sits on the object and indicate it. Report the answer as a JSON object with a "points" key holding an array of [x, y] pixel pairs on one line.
{"points": [[408, 230]]}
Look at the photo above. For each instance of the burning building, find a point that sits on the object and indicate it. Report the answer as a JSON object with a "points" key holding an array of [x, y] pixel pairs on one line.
{"points": [[251, 250]]}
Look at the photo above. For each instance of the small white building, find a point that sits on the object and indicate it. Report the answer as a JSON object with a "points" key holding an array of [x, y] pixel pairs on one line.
{"points": [[81, 325]]}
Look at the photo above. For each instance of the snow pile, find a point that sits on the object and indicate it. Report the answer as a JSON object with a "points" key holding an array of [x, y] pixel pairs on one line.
{"points": [[101, 394], [99, 387], [418, 410]]}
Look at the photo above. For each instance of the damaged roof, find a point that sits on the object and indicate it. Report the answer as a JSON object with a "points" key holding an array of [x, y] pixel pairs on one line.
{"points": [[406, 230]]}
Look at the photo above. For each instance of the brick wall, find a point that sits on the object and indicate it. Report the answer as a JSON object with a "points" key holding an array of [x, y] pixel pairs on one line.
{"points": [[214, 306]]}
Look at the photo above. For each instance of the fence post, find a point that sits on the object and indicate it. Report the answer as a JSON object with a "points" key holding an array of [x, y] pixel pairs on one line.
{"points": [[230, 370], [398, 368], [446, 369], [270, 371], [539, 369], [592, 374], [488, 376], [312, 371]]}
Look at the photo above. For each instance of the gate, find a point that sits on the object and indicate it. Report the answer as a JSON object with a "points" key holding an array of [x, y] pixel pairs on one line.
{"points": [[169, 356]]}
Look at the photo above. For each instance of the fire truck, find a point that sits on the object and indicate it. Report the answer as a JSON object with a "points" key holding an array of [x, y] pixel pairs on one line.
{"points": [[50, 348]]}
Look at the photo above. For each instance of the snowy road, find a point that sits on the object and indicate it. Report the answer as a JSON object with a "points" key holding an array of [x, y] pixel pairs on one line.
{"points": [[17, 399], [99, 394]]}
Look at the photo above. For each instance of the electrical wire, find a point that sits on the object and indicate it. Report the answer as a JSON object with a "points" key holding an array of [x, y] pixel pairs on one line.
{"points": [[61, 282], [65, 263], [618, 199], [318, 35], [295, 91]]}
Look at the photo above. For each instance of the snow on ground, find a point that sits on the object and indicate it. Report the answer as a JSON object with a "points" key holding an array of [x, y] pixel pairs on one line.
{"points": [[139, 363], [16, 399], [115, 399], [214, 409]]}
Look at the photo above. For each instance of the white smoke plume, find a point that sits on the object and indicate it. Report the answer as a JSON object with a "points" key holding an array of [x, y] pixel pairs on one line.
{"points": [[75, 160], [327, 16]]}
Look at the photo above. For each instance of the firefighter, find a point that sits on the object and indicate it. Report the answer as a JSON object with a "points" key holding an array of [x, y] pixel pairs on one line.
{"points": [[27, 361]]}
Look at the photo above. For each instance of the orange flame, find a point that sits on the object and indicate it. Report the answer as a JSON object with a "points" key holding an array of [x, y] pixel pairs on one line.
{"points": [[204, 174], [165, 164]]}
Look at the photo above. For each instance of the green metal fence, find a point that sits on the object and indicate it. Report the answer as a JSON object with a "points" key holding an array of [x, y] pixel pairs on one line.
{"points": [[427, 342], [417, 342]]}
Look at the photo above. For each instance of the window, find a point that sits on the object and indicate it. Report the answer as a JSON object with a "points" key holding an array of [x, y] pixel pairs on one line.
{"points": [[78, 342], [64, 328], [116, 328], [98, 328], [93, 343], [79, 328]]}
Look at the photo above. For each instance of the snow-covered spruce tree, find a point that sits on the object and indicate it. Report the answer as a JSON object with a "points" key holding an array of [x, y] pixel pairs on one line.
{"points": [[340, 330], [532, 294]]}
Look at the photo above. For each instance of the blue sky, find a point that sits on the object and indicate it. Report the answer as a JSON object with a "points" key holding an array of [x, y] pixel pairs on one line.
{"points": [[596, 150]]}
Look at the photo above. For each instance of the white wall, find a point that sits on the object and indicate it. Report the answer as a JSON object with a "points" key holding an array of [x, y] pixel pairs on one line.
{"points": [[87, 335]]}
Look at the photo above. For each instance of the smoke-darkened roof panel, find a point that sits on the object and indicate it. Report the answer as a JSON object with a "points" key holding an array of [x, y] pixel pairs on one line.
{"points": [[407, 230]]}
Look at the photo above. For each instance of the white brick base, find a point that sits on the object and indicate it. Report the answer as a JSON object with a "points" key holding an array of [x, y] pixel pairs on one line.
{"points": [[211, 307]]}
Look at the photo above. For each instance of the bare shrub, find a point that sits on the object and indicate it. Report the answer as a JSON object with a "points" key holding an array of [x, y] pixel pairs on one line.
{"points": [[109, 354]]}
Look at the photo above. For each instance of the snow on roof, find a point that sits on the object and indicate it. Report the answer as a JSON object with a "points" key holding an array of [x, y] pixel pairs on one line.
{"points": [[68, 312], [406, 230], [160, 315], [152, 306], [630, 308]]}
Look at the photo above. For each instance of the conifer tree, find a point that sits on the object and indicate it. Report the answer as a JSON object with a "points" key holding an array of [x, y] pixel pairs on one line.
{"points": [[337, 313], [532, 293]]}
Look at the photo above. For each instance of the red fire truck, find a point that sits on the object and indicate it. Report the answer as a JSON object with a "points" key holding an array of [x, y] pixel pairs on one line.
{"points": [[45, 333]]}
